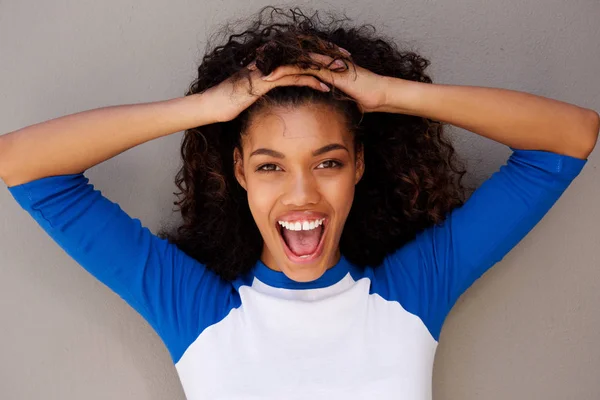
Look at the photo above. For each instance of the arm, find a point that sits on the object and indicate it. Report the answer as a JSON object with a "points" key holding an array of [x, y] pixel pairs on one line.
{"points": [[76, 142], [550, 142], [516, 119], [176, 294], [43, 166], [432, 271]]}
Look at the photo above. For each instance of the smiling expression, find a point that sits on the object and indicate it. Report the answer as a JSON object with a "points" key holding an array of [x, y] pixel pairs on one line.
{"points": [[299, 168]]}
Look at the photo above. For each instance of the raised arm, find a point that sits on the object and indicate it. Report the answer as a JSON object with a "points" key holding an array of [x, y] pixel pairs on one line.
{"points": [[76, 142], [516, 119], [44, 165], [430, 273], [73, 143], [551, 141], [177, 295]]}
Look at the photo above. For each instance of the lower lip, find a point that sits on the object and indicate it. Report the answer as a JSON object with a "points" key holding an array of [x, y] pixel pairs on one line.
{"points": [[304, 260]]}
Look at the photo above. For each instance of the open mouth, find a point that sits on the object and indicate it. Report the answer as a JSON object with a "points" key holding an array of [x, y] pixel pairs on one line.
{"points": [[303, 239]]}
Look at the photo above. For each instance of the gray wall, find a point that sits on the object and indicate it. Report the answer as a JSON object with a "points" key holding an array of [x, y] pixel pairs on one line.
{"points": [[527, 330]]}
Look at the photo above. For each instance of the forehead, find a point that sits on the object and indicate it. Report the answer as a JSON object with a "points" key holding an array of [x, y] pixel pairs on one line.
{"points": [[294, 128]]}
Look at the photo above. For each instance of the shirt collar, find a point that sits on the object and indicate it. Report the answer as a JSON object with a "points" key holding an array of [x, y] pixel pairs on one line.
{"points": [[280, 280]]}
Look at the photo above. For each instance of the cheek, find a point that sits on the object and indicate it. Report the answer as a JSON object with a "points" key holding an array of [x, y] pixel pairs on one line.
{"points": [[339, 193], [261, 200]]}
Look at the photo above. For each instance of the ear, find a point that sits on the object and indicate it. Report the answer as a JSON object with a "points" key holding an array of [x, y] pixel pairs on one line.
{"points": [[360, 163], [238, 168]]}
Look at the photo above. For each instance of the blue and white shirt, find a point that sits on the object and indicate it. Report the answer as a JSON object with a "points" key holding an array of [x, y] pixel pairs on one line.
{"points": [[353, 333]]}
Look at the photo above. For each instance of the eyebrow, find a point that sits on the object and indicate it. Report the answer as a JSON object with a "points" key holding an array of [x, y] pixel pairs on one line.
{"points": [[318, 152]]}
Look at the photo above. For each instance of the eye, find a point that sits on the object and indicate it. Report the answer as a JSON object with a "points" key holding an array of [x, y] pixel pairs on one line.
{"points": [[268, 168], [329, 164]]}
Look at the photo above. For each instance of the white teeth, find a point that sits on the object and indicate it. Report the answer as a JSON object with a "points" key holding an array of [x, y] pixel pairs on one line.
{"points": [[301, 226]]}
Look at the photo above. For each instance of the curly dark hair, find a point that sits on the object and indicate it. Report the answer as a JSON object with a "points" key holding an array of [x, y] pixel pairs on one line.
{"points": [[412, 178]]}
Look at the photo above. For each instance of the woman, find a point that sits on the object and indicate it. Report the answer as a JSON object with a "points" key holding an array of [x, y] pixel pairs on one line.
{"points": [[324, 235]]}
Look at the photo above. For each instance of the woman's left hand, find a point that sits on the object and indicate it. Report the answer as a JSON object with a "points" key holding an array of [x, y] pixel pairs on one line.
{"points": [[365, 86]]}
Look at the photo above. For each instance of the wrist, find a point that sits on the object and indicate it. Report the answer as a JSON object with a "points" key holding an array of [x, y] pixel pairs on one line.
{"points": [[198, 111], [401, 96]]}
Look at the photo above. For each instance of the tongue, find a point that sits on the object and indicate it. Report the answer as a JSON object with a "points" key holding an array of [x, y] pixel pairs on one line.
{"points": [[303, 242]]}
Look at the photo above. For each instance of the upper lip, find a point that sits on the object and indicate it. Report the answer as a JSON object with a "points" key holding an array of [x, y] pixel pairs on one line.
{"points": [[301, 216]]}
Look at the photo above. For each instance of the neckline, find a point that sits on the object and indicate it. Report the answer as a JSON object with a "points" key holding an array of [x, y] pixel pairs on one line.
{"points": [[279, 280]]}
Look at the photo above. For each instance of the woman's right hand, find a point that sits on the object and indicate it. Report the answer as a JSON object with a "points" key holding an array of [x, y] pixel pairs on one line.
{"points": [[230, 97]]}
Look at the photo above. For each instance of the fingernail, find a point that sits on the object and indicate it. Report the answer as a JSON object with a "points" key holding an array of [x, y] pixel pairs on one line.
{"points": [[267, 77], [324, 86], [252, 65], [346, 52], [339, 64]]}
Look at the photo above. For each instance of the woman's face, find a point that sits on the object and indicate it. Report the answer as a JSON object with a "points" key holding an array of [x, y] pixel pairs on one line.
{"points": [[299, 169]]}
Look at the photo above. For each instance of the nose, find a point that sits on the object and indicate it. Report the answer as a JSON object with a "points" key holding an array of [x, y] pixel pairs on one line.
{"points": [[301, 190]]}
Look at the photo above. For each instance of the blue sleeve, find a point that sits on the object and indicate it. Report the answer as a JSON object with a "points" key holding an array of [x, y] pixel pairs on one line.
{"points": [[428, 274], [176, 294]]}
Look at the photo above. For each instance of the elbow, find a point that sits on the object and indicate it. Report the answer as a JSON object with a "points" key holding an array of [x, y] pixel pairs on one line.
{"points": [[587, 135], [3, 152], [5, 158], [592, 133]]}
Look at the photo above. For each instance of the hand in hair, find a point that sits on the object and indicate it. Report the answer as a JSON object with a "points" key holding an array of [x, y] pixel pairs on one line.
{"points": [[232, 96], [366, 87]]}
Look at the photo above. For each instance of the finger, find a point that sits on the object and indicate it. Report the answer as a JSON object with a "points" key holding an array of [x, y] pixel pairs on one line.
{"points": [[341, 49], [301, 80], [346, 52], [252, 65], [321, 58], [328, 61], [284, 70]]}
